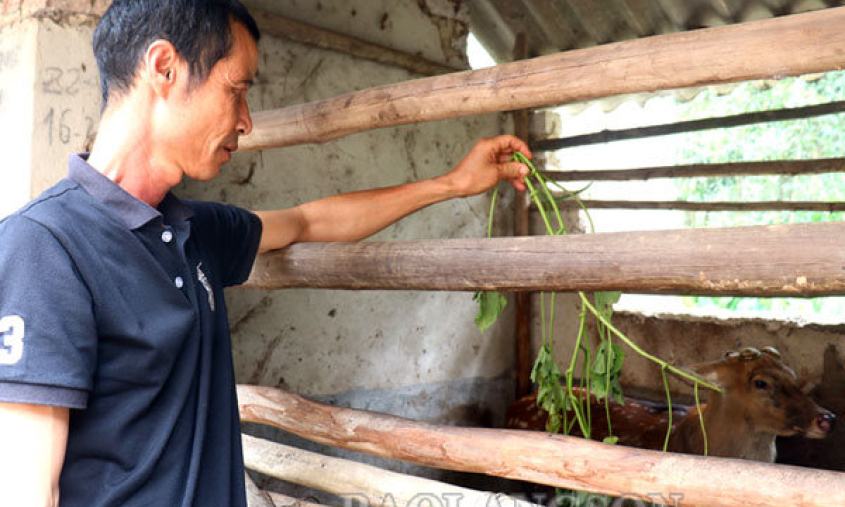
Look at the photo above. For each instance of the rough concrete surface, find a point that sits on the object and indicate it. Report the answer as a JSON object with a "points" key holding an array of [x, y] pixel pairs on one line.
{"points": [[324, 342]]}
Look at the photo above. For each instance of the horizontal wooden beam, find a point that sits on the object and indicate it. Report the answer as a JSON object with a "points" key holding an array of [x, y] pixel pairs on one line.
{"points": [[280, 500], [827, 207], [554, 460], [302, 33], [788, 260], [255, 497], [682, 127], [773, 48], [776, 167], [358, 482]]}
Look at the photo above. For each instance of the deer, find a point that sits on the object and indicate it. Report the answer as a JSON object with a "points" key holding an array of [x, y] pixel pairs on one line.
{"points": [[760, 399]]}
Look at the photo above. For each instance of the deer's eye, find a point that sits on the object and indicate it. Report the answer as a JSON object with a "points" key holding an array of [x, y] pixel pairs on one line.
{"points": [[761, 384]]}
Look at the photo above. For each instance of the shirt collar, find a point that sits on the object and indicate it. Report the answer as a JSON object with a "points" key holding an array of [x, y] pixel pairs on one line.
{"points": [[132, 211]]}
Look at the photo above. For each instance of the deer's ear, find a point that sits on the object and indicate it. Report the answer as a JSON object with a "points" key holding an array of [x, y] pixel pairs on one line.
{"points": [[709, 372]]}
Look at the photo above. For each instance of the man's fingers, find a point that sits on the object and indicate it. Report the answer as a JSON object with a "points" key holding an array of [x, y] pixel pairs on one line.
{"points": [[509, 144], [519, 184], [513, 171]]}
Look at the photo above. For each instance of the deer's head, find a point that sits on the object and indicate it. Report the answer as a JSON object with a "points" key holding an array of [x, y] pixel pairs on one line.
{"points": [[762, 391]]}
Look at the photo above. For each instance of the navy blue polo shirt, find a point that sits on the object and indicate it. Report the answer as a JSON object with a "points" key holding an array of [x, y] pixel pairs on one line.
{"points": [[115, 309]]}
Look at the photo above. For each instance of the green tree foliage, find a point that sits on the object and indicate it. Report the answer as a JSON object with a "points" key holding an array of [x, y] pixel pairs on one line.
{"points": [[820, 137]]}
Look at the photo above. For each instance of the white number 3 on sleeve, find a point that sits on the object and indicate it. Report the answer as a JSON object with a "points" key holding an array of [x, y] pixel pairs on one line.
{"points": [[11, 347]]}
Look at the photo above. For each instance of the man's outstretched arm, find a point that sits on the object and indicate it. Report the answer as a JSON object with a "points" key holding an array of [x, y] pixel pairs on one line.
{"points": [[357, 215]]}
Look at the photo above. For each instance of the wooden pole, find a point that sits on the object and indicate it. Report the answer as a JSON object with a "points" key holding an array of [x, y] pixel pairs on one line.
{"points": [[522, 220], [683, 127], [359, 482], [800, 260], [281, 500], [772, 48], [279, 26], [554, 460], [792, 167], [255, 497]]}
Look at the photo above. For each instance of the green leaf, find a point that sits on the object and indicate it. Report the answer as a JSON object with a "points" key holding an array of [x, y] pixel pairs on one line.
{"points": [[611, 440], [615, 361], [490, 307], [606, 300], [608, 383], [599, 386], [569, 194]]}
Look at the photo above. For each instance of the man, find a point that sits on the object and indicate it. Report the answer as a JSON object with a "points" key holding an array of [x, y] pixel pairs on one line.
{"points": [[116, 378]]}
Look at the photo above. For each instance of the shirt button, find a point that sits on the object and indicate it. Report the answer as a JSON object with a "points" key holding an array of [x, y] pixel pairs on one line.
{"points": [[179, 282], [167, 236]]}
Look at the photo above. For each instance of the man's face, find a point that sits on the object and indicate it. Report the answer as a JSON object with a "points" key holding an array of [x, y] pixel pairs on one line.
{"points": [[205, 123]]}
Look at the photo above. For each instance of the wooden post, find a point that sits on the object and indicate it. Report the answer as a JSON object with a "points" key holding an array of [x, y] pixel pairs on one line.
{"points": [[772, 48], [302, 33], [554, 460], [798, 260], [521, 204]]}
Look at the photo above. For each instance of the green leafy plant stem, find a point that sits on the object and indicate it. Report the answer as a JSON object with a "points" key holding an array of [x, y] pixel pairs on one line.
{"points": [[556, 401], [638, 350], [609, 367], [492, 212], [669, 402], [543, 184], [583, 424], [701, 419]]}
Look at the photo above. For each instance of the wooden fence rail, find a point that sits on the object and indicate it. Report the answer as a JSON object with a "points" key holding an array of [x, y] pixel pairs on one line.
{"points": [[567, 462], [826, 207], [684, 127], [360, 483], [790, 167], [279, 26], [788, 260], [773, 48]]}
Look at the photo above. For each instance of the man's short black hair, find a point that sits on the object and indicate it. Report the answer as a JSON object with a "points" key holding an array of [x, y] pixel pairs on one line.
{"points": [[199, 30]]}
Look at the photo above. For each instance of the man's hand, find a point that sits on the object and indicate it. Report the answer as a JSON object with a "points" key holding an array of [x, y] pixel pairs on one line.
{"points": [[486, 164]]}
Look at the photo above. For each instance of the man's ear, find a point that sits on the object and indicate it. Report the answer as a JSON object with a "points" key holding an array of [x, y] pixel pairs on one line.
{"points": [[162, 69]]}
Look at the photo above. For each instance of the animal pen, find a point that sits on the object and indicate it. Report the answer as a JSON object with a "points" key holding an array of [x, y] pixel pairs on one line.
{"points": [[790, 260]]}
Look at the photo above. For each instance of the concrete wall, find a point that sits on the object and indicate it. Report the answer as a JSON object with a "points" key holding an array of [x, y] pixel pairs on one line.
{"points": [[367, 344], [413, 354], [49, 96], [408, 353], [16, 99]]}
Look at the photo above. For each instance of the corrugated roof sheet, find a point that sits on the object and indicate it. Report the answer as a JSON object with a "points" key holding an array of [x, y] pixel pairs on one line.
{"points": [[559, 25]]}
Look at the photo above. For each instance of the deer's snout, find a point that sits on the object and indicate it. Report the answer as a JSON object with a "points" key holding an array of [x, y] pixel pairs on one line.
{"points": [[822, 426], [826, 422]]}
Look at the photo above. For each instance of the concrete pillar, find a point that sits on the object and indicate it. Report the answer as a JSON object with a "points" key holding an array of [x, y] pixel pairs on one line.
{"points": [[49, 92]]}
